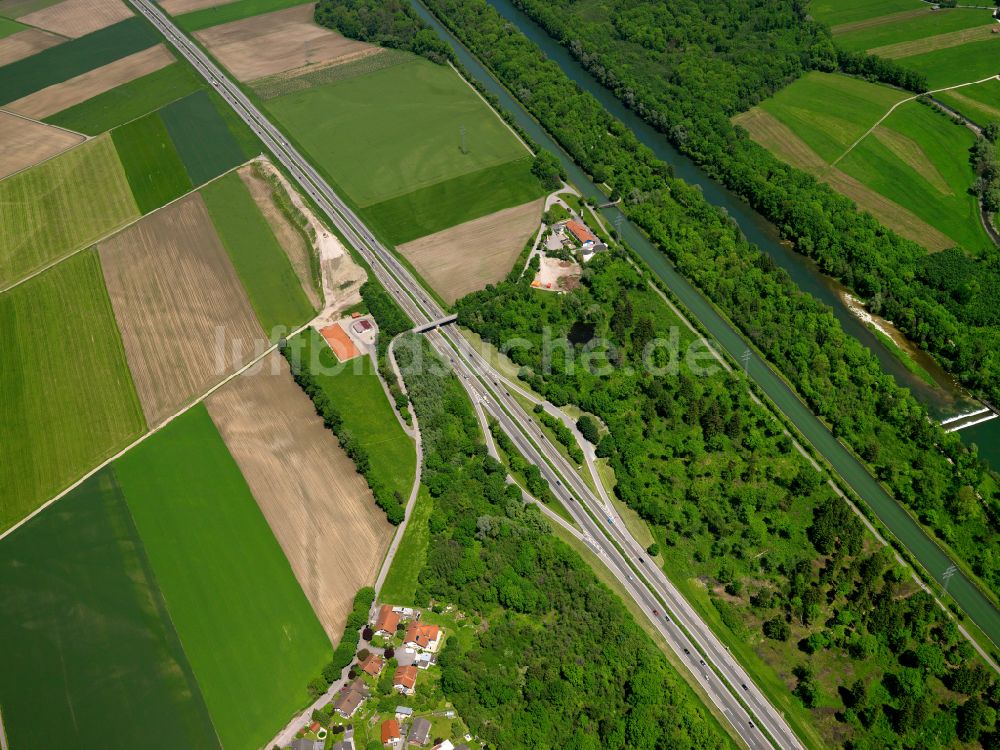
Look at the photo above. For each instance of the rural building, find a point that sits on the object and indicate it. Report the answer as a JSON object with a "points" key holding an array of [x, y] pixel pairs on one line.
{"points": [[446, 745], [580, 232], [387, 621], [351, 697], [419, 635], [372, 665], [419, 731], [303, 744], [362, 325], [405, 680], [403, 712], [390, 732], [347, 744]]}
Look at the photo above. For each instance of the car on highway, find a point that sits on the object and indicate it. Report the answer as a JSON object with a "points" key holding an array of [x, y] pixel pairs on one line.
{"points": [[687, 652]]}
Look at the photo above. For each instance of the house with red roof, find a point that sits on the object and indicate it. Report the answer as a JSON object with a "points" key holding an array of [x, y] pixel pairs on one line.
{"points": [[423, 636], [372, 665], [390, 733], [404, 680], [580, 232], [387, 621]]}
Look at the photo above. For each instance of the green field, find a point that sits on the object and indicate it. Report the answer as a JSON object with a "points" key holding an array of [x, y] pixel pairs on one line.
{"points": [[834, 12], [953, 65], [931, 23], [396, 130], [980, 103], [128, 101], [60, 205], [262, 264], [202, 19], [18, 8], [8, 27], [203, 141], [356, 391], [57, 64], [830, 111], [248, 630], [154, 169], [401, 582], [91, 660], [943, 201], [66, 396], [454, 201]]}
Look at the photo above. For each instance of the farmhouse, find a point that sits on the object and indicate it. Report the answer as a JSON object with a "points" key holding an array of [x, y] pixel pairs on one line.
{"points": [[372, 665], [387, 621], [390, 733], [404, 680], [419, 731], [419, 635]]}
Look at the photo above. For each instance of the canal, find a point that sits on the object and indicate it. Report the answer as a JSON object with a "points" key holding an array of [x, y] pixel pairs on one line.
{"points": [[971, 600]]}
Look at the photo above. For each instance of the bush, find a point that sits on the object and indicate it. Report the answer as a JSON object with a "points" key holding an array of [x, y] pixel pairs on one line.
{"points": [[777, 629], [588, 428]]}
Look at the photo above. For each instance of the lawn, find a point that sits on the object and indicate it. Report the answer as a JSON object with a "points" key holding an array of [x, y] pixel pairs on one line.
{"points": [[60, 205], [154, 169], [396, 130], [202, 19], [835, 12], [400, 585], [354, 388], [455, 201], [830, 111], [930, 23], [203, 141], [980, 103], [59, 63], [938, 192], [91, 660], [67, 401], [248, 630], [128, 101], [967, 62], [262, 264]]}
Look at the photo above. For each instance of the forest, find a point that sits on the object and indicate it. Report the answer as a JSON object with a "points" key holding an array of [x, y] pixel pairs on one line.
{"points": [[785, 562], [931, 472], [559, 661]]}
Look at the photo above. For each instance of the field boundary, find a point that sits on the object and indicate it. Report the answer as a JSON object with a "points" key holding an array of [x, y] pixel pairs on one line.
{"points": [[47, 158], [56, 261]]}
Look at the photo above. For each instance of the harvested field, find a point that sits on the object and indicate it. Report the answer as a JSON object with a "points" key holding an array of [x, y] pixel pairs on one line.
{"points": [[471, 255], [894, 216], [26, 43], [909, 152], [27, 142], [319, 508], [176, 7], [60, 96], [935, 43], [184, 317], [290, 236], [340, 342], [274, 42], [779, 139], [76, 18], [61, 205]]}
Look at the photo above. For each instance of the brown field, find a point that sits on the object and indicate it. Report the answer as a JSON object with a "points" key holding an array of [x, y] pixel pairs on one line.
{"points": [[868, 23], [26, 43], [289, 236], [909, 152], [184, 317], [781, 140], [75, 18], [27, 142], [176, 7], [934, 43], [465, 258], [60, 96], [319, 508], [274, 42], [900, 220]]}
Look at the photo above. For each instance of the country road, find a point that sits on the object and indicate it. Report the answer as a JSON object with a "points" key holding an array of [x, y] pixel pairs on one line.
{"points": [[739, 699]]}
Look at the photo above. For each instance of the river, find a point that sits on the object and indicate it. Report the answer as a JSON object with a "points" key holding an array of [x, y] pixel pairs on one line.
{"points": [[758, 230]]}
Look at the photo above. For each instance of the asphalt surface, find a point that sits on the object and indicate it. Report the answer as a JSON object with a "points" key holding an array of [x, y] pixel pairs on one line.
{"points": [[722, 678]]}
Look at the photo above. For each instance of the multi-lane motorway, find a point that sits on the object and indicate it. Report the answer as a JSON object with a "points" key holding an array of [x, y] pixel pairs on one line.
{"points": [[721, 677]]}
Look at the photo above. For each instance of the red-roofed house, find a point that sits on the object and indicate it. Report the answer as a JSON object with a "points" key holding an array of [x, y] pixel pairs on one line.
{"points": [[390, 732], [405, 680], [419, 635], [387, 621], [372, 665], [578, 230]]}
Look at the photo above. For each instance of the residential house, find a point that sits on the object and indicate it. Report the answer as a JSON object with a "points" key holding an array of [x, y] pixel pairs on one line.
{"points": [[446, 745], [390, 733], [422, 636], [407, 657], [373, 665], [419, 731], [347, 744], [350, 697], [463, 746], [387, 621], [403, 712], [405, 680], [303, 744]]}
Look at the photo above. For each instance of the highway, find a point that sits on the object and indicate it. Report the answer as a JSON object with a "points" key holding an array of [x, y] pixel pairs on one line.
{"points": [[722, 678]]}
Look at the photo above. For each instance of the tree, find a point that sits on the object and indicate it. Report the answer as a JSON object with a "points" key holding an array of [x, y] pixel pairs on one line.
{"points": [[588, 428], [653, 550], [548, 169], [971, 718], [777, 629]]}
